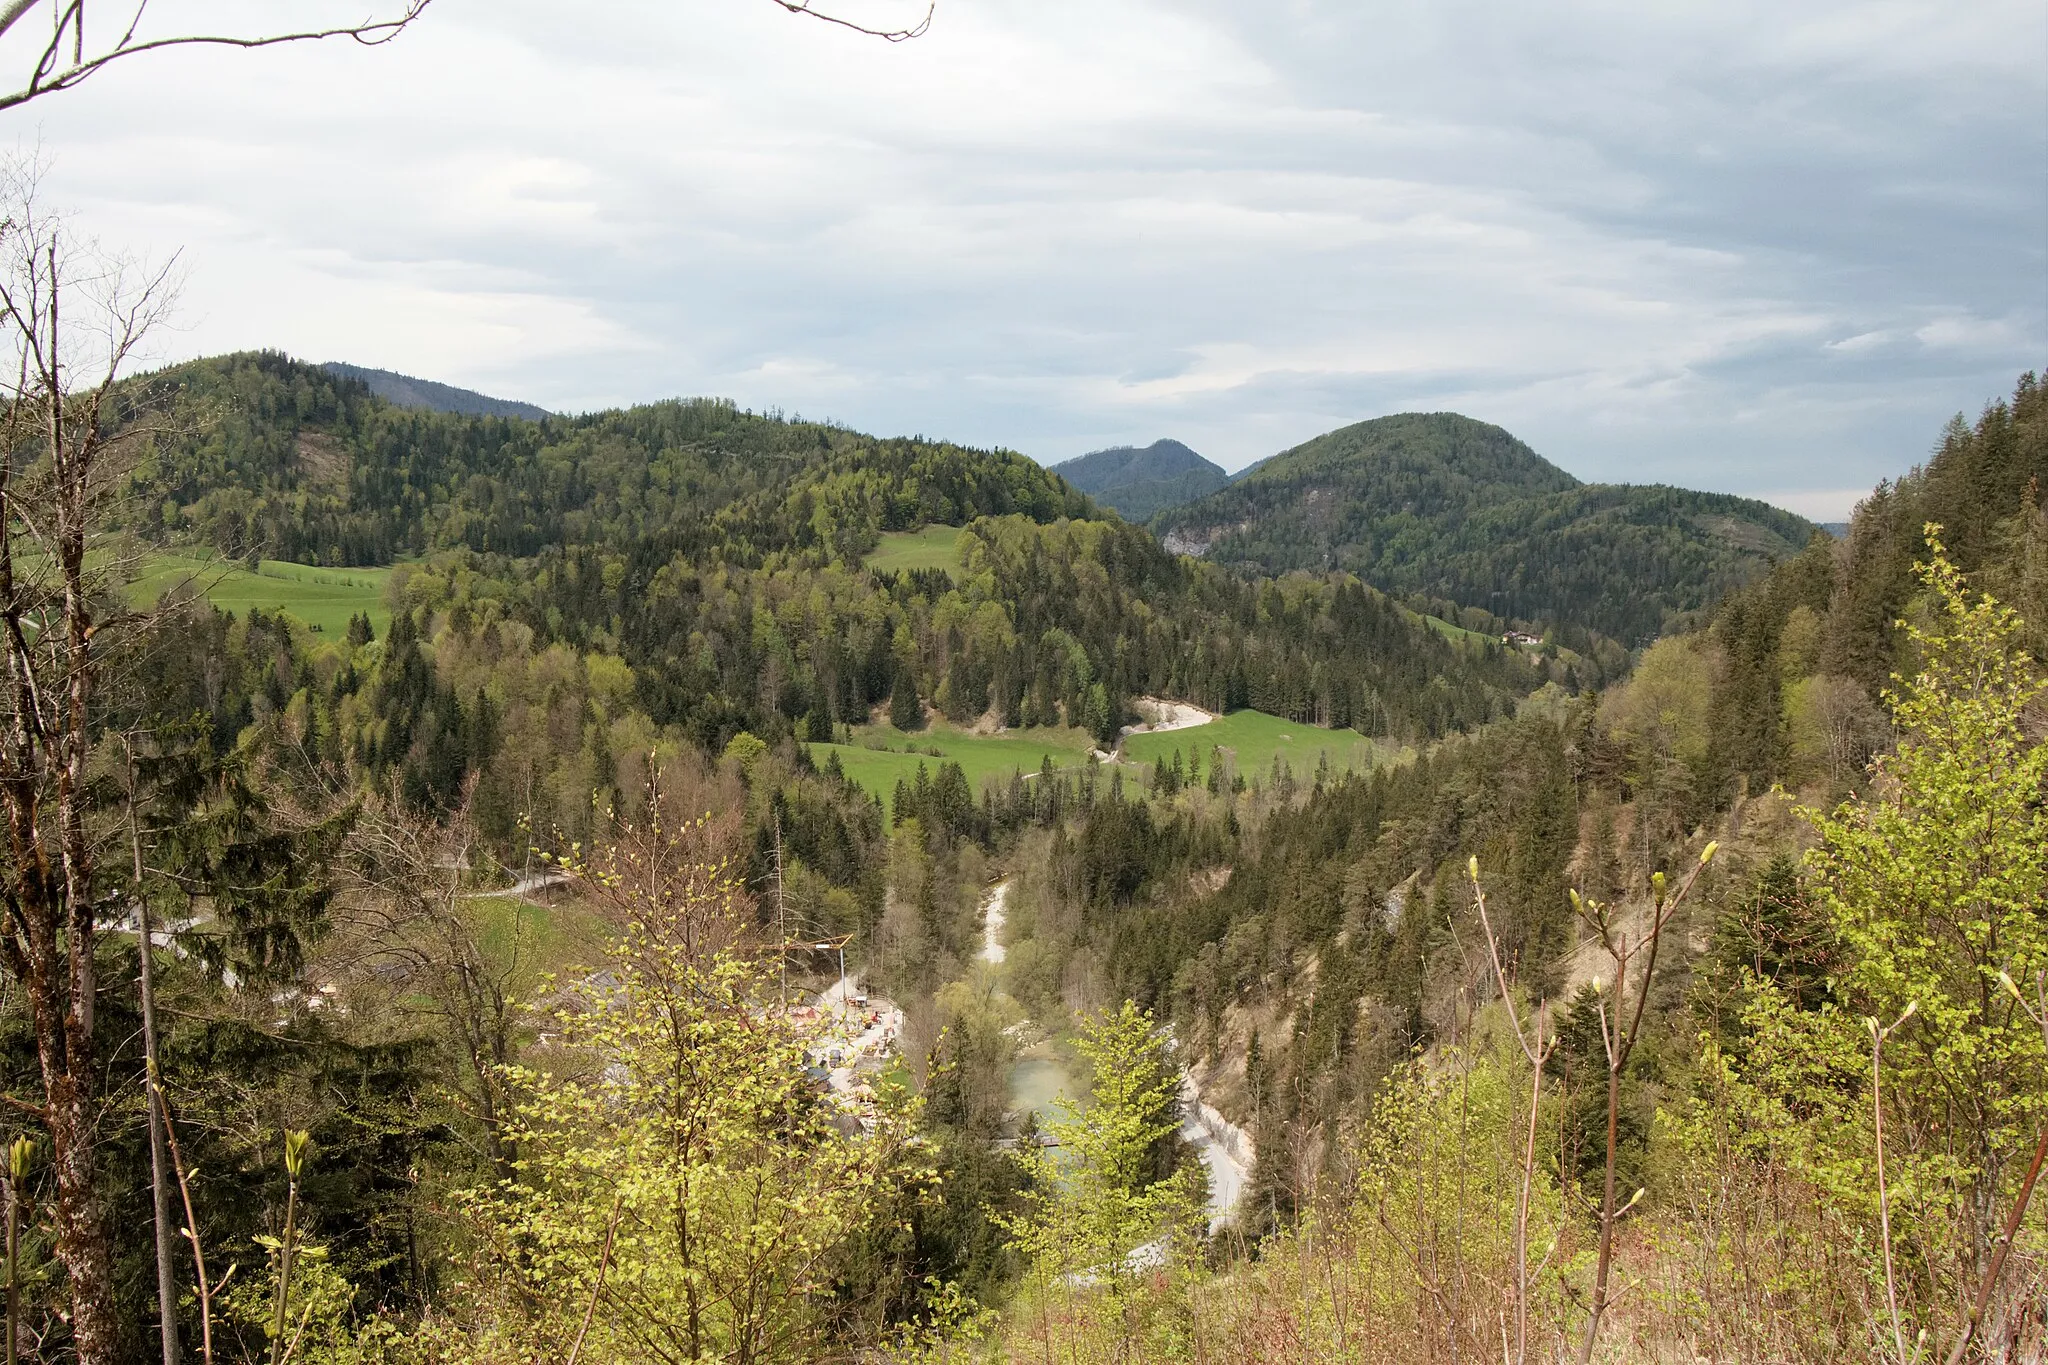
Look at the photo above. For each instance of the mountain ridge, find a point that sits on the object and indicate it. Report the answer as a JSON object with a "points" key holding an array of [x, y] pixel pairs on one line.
{"points": [[1450, 507], [409, 391], [1138, 482]]}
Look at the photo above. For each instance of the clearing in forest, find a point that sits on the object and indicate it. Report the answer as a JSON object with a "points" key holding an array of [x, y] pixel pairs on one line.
{"points": [[1253, 739], [536, 938], [877, 758], [322, 598], [929, 547]]}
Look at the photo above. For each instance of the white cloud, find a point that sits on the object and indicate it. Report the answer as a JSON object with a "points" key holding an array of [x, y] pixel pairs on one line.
{"points": [[1705, 243], [1816, 504], [1961, 331]]}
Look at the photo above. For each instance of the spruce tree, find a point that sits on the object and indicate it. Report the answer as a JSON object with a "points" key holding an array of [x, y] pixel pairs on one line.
{"points": [[905, 711]]}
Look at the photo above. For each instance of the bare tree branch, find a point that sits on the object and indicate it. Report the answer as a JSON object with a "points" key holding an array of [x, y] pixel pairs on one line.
{"points": [[12, 14], [55, 70], [52, 72], [894, 35]]}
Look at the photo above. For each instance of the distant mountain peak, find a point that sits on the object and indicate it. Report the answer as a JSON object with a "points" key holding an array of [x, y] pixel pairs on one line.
{"points": [[404, 391], [1467, 448], [1139, 481], [1449, 508]]}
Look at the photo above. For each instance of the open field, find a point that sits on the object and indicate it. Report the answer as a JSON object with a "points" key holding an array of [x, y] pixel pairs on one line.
{"points": [[932, 547], [322, 598], [979, 756], [534, 940], [1253, 738], [1450, 630]]}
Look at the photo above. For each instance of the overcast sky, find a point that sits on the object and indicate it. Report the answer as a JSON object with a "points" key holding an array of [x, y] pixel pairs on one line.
{"points": [[1754, 246]]}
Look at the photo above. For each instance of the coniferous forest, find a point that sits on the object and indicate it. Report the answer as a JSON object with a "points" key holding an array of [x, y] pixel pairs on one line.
{"points": [[741, 889]]}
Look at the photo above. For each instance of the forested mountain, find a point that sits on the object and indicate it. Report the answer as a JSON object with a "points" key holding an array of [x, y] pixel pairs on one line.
{"points": [[1439, 504], [404, 391], [719, 555], [611, 642], [1138, 482], [268, 452]]}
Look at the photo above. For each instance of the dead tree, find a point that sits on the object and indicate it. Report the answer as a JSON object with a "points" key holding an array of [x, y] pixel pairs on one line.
{"points": [[73, 320], [416, 920]]}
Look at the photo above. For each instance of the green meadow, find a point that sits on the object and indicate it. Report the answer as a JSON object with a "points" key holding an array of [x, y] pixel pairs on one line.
{"points": [[1253, 739], [322, 598], [1451, 630], [533, 941], [878, 769], [932, 547]]}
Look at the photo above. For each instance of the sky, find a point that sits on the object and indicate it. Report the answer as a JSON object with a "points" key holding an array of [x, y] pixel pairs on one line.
{"points": [[1749, 246]]}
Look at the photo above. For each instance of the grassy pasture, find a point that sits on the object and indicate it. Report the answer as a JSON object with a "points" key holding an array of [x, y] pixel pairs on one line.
{"points": [[877, 770], [932, 547], [1253, 738], [1451, 630], [535, 940], [322, 598]]}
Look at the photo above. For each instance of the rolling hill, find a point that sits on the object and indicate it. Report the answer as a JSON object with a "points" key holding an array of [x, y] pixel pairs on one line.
{"points": [[775, 576], [404, 391], [1440, 504], [1138, 482]]}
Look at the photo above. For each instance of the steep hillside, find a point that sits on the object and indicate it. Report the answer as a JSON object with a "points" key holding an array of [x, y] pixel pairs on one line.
{"points": [[404, 391], [1439, 504], [1140, 482]]}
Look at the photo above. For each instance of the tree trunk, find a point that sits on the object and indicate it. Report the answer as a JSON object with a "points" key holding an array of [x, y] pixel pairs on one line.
{"points": [[1606, 1260], [159, 1153], [83, 1244]]}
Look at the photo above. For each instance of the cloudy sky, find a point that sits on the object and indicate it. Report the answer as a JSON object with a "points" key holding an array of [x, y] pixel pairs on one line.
{"points": [[1737, 244]]}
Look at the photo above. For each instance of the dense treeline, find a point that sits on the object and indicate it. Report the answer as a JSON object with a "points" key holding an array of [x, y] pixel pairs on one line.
{"points": [[1445, 506], [1799, 660]]}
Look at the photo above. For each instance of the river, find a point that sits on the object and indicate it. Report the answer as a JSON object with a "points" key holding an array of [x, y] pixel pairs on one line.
{"points": [[1038, 1079]]}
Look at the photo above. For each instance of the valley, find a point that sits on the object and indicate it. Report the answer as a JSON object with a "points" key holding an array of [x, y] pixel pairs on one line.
{"points": [[1301, 827], [550, 755]]}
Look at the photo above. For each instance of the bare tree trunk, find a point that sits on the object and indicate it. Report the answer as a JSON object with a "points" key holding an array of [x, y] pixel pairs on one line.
{"points": [[53, 448], [159, 1152], [1537, 1049], [159, 1165], [1605, 1264]]}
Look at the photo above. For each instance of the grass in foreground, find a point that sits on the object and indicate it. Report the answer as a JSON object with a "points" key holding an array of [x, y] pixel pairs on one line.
{"points": [[932, 547], [322, 598], [1253, 739], [878, 769]]}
